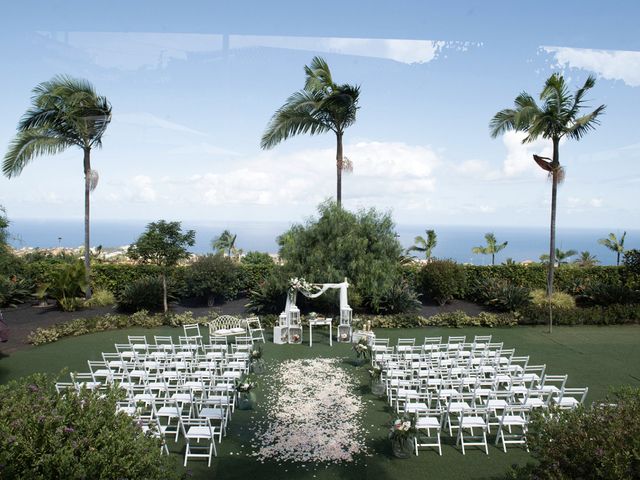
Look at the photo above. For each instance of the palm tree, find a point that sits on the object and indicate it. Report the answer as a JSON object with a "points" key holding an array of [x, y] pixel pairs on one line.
{"points": [[558, 117], [586, 260], [226, 241], [426, 246], [66, 112], [321, 106], [615, 245], [561, 257], [492, 247]]}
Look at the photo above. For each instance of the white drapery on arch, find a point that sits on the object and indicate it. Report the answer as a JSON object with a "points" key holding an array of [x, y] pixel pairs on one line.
{"points": [[344, 302]]}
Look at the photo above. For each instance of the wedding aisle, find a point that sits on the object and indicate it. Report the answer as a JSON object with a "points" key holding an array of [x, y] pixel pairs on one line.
{"points": [[312, 414]]}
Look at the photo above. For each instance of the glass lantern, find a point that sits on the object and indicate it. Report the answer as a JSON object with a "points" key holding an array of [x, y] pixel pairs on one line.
{"points": [[346, 316], [282, 320], [294, 316]]}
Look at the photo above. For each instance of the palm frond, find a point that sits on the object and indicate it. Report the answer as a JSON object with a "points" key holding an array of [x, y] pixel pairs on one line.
{"points": [[586, 123], [28, 145]]}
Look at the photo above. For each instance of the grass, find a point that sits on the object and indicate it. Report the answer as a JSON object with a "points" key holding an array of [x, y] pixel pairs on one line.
{"points": [[597, 357]]}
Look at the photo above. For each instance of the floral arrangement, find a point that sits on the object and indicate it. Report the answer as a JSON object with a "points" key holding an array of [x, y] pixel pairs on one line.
{"points": [[361, 348], [301, 284], [344, 337], [256, 354], [402, 429], [246, 386], [295, 337], [375, 373]]}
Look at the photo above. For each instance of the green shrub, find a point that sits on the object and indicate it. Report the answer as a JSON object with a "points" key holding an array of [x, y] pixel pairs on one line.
{"points": [[115, 277], [631, 261], [534, 276], [558, 299], [100, 298], [597, 442], [502, 295], [271, 295], [442, 281], [361, 247], [255, 267], [67, 284], [211, 279], [142, 294], [14, 291], [101, 323], [609, 315], [601, 293], [47, 435], [401, 298]]}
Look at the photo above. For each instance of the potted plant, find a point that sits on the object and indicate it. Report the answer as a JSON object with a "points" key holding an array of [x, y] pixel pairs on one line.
{"points": [[257, 364], [377, 387], [401, 434], [246, 398], [362, 351]]}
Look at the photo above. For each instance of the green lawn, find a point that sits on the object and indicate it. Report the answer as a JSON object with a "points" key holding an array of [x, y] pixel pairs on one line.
{"points": [[597, 357]]}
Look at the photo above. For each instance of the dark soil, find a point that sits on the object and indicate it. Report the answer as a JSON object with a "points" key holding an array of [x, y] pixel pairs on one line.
{"points": [[26, 318]]}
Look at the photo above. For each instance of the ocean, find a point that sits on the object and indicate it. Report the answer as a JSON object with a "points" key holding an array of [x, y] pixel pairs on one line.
{"points": [[454, 242]]}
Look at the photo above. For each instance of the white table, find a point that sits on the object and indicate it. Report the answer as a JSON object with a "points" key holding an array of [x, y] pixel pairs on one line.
{"points": [[320, 322]]}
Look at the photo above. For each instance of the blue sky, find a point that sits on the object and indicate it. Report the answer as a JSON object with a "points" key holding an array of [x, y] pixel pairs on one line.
{"points": [[194, 85]]}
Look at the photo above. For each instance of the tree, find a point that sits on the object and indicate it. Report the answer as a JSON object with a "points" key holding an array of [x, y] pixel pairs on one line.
{"points": [[162, 244], [426, 246], [226, 241], [615, 245], [66, 112], [586, 260], [321, 106], [558, 117], [492, 247], [561, 257]]}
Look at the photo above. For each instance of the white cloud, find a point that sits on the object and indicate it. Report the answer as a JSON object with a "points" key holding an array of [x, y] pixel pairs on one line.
{"points": [[519, 158], [201, 149], [385, 174], [472, 168], [610, 64], [140, 189]]}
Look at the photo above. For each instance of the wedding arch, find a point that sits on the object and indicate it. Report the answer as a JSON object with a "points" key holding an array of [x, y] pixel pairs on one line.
{"points": [[314, 290]]}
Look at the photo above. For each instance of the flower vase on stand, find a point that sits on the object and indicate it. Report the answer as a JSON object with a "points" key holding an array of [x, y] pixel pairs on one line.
{"points": [[246, 401], [402, 447]]}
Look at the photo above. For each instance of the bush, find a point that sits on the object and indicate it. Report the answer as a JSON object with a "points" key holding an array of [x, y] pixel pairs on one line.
{"points": [[602, 441], [558, 299], [601, 293], [100, 298], [361, 247], [534, 276], [271, 295], [255, 267], [115, 277], [67, 285], [502, 295], [143, 294], [455, 319], [211, 279], [442, 281], [631, 261], [609, 315], [77, 435], [400, 298], [14, 291], [101, 323]]}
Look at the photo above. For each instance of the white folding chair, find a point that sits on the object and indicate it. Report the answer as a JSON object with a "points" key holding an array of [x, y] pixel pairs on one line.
{"points": [[428, 420], [256, 332], [513, 417], [570, 398], [470, 419], [197, 429]]}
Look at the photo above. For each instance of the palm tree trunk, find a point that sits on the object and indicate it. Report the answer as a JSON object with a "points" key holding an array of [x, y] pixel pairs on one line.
{"points": [[339, 161], [552, 239], [164, 293], [493, 259], [618, 260], [87, 200]]}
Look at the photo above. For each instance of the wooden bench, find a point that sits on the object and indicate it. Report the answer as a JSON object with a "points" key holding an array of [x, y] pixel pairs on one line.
{"points": [[228, 325]]}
